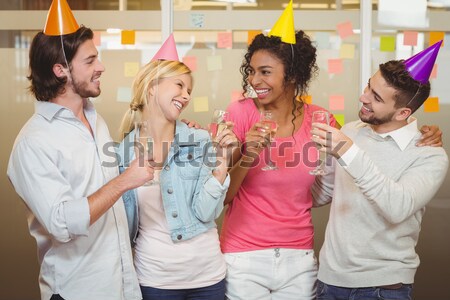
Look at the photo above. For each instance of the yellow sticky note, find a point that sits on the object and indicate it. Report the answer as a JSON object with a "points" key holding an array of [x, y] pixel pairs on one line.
{"points": [[251, 35], [214, 63], [335, 66], [97, 38], [224, 40], [340, 118], [130, 69], [191, 62], [306, 99], [337, 102], [436, 36], [431, 104], [345, 29], [410, 38], [387, 43], [201, 104], [128, 37], [347, 51]]}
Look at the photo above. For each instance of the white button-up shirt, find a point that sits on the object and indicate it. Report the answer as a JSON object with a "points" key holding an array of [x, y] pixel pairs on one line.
{"points": [[54, 166]]}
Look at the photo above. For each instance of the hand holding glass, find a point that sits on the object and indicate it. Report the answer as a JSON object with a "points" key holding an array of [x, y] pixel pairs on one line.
{"points": [[143, 145], [269, 124], [323, 117], [218, 123]]}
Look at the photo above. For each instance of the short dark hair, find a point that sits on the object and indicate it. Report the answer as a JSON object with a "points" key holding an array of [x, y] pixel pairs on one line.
{"points": [[45, 52], [407, 88]]}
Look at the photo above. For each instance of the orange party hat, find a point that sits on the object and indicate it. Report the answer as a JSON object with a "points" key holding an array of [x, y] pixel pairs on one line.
{"points": [[168, 50], [284, 27], [60, 20]]}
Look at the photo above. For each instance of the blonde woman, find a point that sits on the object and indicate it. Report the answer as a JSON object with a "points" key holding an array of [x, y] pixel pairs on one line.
{"points": [[172, 220]]}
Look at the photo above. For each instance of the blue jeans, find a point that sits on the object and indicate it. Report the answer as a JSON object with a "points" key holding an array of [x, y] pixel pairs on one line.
{"points": [[212, 292], [331, 292]]}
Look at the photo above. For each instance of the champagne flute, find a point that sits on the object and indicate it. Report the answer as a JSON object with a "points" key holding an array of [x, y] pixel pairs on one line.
{"points": [[320, 116], [269, 124], [218, 123], [143, 144]]}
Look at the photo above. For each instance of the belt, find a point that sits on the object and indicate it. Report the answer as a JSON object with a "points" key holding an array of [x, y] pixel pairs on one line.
{"points": [[394, 286]]}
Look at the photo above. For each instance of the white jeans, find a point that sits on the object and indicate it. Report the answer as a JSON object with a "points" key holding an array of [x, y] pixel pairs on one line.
{"points": [[277, 274]]}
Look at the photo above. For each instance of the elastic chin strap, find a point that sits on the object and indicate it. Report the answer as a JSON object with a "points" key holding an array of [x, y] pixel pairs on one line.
{"points": [[415, 95], [69, 76]]}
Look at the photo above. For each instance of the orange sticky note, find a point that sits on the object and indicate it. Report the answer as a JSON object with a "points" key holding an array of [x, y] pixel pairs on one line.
{"points": [[345, 29], [410, 38], [335, 66], [236, 95], [431, 105], [306, 99], [128, 37], [434, 72], [336, 102], [436, 36], [97, 38], [224, 40], [251, 35], [191, 62]]}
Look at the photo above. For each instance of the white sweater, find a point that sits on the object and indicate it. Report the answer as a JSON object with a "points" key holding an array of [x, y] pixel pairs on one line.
{"points": [[378, 201]]}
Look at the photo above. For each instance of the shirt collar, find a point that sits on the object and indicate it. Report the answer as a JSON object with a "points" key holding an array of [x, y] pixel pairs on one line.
{"points": [[49, 109], [403, 136]]}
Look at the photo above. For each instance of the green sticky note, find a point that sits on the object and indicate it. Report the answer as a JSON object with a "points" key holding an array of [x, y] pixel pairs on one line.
{"points": [[387, 43], [340, 118]]}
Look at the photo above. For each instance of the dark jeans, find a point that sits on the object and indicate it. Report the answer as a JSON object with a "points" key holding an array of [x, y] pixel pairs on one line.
{"points": [[331, 292], [56, 297], [212, 292]]}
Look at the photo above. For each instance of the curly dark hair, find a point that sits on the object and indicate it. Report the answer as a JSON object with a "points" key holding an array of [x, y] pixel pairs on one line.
{"points": [[409, 92], [299, 61], [45, 52]]}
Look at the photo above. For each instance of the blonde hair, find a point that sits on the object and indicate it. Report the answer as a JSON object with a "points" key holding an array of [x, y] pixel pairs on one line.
{"points": [[147, 75]]}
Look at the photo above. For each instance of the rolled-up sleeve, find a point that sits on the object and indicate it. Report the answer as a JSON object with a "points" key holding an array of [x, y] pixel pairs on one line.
{"points": [[47, 193]]}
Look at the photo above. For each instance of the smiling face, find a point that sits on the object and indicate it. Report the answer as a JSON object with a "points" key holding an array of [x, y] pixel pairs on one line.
{"points": [[86, 70], [171, 95], [266, 76]]}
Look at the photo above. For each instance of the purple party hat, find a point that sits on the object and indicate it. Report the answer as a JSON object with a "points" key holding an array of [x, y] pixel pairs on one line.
{"points": [[420, 65]]}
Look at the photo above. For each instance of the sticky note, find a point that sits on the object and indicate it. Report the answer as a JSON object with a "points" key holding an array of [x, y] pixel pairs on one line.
{"points": [[130, 69], [197, 20], [124, 94], [251, 35], [306, 99], [201, 104], [434, 72], [340, 118], [97, 38], [347, 51], [436, 36], [225, 40], [236, 95], [336, 102], [214, 62], [410, 38], [431, 105], [322, 39], [191, 62], [335, 66], [345, 29], [387, 43], [128, 37]]}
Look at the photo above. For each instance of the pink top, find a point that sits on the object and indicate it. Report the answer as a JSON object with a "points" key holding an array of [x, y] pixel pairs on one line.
{"points": [[272, 209]]}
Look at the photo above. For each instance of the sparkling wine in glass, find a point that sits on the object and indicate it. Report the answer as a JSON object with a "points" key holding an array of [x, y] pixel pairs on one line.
{"points": [[320, 116], [270, 124], [218, 123], [143, 144]]}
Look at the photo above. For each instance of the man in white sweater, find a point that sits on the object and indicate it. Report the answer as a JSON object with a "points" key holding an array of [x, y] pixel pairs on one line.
{"points": [[379, 185]]}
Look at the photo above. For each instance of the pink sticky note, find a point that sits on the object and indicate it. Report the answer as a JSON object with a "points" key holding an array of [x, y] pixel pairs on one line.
{"points": [[434, 72], [97, 38], [236, 95], [337, 102], [335, 66], [224, 40], [410, 38], [345, 29], [191, 62]]}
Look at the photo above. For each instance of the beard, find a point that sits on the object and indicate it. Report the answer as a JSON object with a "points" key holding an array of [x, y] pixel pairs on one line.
{"points": [[82, 89], [373, 120]]}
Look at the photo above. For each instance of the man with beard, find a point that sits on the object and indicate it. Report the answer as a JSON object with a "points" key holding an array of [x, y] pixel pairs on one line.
{"points": [[379, 188], [69, 183]]}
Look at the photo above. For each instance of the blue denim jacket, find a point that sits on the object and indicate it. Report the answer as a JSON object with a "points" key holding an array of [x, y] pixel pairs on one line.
{"points": [[192, 196]]}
